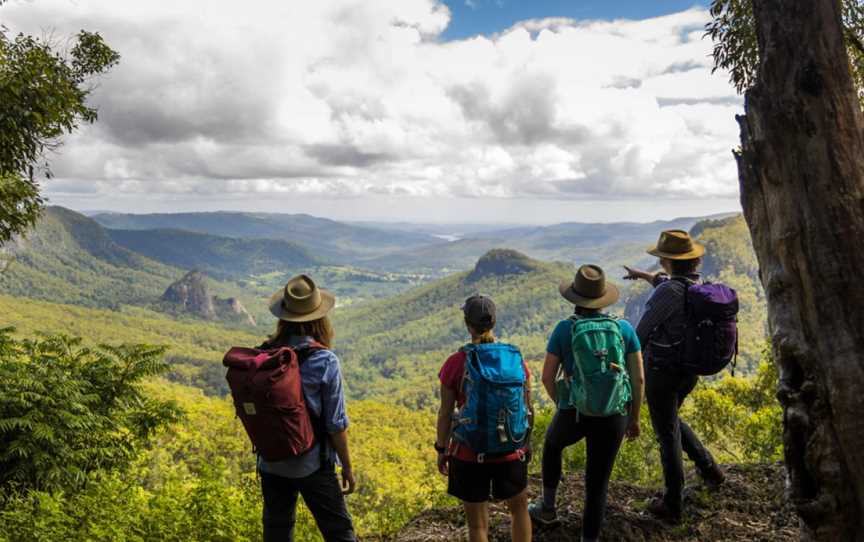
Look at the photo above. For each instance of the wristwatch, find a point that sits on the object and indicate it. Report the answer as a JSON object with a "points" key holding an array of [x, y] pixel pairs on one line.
{"points": [[439, 449]]}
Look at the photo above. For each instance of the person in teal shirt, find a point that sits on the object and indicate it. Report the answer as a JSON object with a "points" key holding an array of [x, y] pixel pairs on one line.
{"points": [[590, 293], [562, 337]]}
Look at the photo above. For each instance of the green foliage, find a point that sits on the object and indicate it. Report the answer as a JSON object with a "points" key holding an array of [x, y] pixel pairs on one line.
{"points": [[68, 258], [20, 204], [730, 259], [196, 347], [396, 346], [66, 410], [43, 95], [740, 416], [197, 481], [395, 466], [733, 29]]}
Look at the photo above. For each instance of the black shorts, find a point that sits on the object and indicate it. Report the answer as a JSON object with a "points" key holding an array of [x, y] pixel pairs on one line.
{"points": [[471, 482]]}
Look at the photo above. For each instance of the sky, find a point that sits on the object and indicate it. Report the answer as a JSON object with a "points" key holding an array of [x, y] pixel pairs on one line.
{"points": [[407, 110]]}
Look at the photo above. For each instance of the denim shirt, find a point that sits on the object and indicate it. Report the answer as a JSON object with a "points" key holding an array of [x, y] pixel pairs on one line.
{"points": [[325, 401]]}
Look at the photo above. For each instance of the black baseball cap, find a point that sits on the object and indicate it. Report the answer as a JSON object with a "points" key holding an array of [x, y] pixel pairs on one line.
{"points": [[479, 312]]}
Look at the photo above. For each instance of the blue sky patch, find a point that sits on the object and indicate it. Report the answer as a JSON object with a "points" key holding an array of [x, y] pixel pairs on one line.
{"points": [[473, 17]]}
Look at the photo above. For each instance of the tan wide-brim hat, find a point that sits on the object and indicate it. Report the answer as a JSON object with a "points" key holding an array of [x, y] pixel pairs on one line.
{"points": [[676, 245], [301, 301], [589, 289]]}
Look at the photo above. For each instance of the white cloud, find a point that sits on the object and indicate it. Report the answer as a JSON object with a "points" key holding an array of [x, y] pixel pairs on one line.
{"points": [[351, 98]]}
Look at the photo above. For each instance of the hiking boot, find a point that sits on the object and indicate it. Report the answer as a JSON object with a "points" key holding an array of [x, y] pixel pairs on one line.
{"points": [[658, 508], [541, 514], [712, 477]]}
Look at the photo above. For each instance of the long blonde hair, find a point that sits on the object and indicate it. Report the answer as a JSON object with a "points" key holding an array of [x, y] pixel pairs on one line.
{"points": [[321, 330]]}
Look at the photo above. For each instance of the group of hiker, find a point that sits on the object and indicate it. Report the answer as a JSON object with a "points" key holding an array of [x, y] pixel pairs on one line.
{"points": [[288, 394]]}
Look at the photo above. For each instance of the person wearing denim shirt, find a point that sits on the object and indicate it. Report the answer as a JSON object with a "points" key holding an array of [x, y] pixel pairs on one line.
{"points": [[322, 390], [302, 311]]}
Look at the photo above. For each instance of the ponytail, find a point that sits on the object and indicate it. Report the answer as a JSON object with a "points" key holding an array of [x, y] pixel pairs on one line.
{"points": [[480, 335], [486, 337]]}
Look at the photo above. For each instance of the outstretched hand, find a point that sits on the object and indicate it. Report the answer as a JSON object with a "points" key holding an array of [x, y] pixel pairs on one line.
{"points": [[632, 273]]}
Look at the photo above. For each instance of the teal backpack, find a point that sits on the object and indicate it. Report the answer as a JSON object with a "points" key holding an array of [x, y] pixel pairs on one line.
{"points": [[592, 386]]}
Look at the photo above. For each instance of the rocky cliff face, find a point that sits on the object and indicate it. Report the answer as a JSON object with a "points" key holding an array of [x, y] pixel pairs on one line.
{"points": [[191, 295], [231, 309]]}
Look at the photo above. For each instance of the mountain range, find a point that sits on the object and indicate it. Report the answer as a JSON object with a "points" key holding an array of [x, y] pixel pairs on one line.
{"points": [[336, 242], [435, 249]]}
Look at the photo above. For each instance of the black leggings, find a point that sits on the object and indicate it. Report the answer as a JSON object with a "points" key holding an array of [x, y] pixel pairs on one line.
{"points": [[323, 497], [603, 439]]}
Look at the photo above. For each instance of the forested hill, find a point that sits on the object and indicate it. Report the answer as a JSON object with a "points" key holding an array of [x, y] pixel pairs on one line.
{"points": [[69, 258], [395, 346], [222, 257]]}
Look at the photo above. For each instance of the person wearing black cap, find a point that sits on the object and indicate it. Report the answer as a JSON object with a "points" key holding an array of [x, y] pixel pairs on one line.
{"points": [[483, 447], [597, 397]]}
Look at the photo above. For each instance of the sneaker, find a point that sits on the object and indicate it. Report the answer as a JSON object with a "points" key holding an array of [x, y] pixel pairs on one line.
{"points": [[541, 514], [658, 508], [713, 477]]}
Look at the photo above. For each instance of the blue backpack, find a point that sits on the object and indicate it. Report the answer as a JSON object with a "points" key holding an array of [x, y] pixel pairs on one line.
{"points": [[494, 418]]}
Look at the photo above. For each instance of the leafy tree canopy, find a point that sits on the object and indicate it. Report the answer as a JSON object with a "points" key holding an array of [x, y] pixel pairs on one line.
{"points": [[43, 96], [66, 411], [733, 30]]}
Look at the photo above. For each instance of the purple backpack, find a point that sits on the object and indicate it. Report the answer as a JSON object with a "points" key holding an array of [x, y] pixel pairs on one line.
{"points": [[711, 338]]}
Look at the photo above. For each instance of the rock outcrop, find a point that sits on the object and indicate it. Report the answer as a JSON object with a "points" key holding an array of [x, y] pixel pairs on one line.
{"points": [[191, 295]]}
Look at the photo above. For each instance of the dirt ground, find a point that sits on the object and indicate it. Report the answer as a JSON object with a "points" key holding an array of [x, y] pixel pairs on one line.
{"points": [[750, 506]]}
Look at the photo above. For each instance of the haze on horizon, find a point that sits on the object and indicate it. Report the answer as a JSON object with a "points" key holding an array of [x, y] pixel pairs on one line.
{"points": [[400, 110]]}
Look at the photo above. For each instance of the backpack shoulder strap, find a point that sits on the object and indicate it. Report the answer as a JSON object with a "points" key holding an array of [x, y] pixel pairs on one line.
{"points": [[305, 350]]}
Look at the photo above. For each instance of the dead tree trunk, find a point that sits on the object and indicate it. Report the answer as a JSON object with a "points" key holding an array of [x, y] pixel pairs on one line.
{"points": [[801, 169]]}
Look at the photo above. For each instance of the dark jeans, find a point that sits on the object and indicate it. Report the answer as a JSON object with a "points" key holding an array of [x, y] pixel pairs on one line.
{"points": [[603, 439], [321, 493], [665, 390]]}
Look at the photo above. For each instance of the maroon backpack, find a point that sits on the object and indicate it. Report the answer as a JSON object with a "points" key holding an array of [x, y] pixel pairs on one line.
{"points": [[268, 397]]}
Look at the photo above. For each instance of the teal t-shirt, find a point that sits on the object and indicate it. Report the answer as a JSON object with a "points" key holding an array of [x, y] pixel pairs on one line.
{"points": [[560, 343]]}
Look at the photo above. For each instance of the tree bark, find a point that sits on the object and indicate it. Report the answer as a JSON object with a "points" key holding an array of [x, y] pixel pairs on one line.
{"points": [[801, 169]]}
